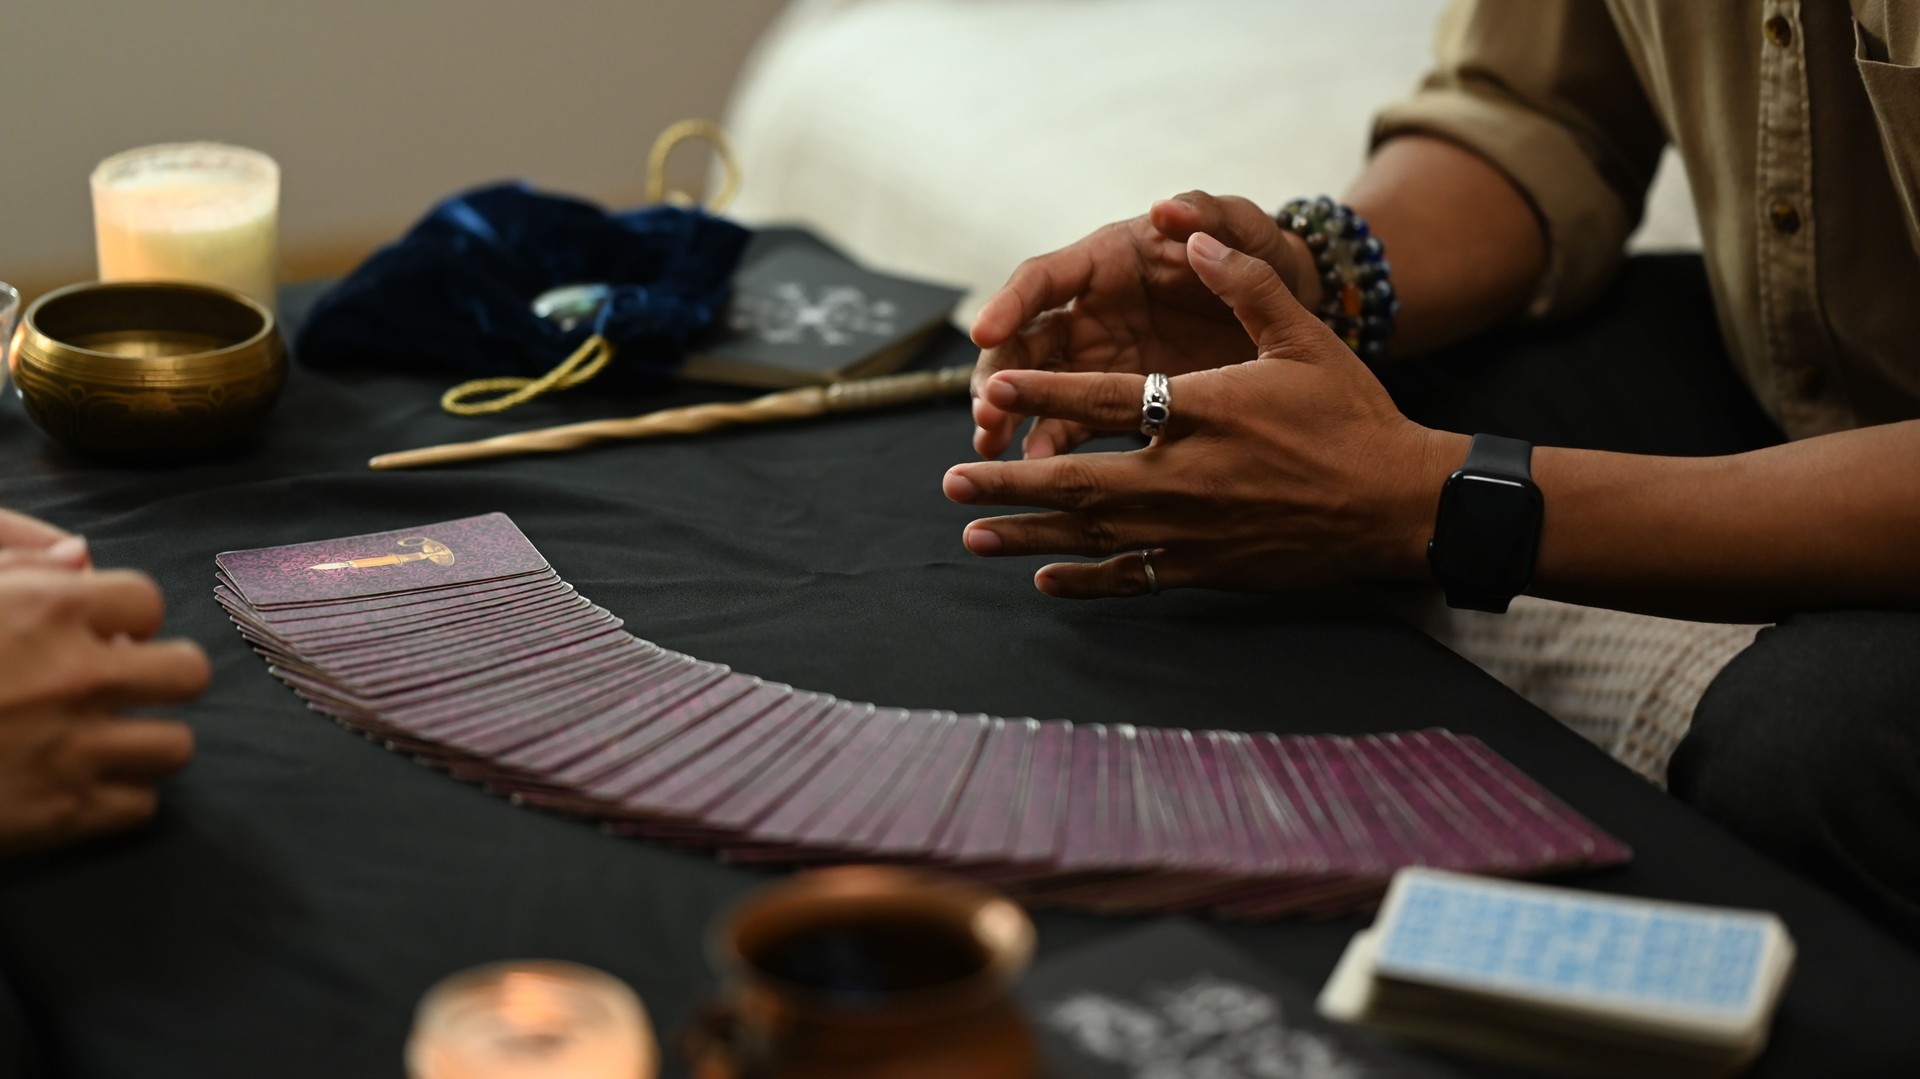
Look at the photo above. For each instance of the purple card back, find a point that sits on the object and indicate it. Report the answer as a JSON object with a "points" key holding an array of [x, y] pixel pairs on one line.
{"points": [[792, 818], [981, 827], [646, 729], [1039, 833], [877, 783], [1457, 838], [716, 778], [721, 736], [634, 767], [911, 825], [1522, 795], [794, 768], [441, 555], [1086, 800]]}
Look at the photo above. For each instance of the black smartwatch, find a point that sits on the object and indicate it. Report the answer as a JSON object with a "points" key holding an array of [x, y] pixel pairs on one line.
{"points": [[1487, 534]]}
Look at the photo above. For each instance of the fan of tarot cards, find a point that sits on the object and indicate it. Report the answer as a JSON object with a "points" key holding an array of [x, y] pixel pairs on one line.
{"points": [[419, 639]]}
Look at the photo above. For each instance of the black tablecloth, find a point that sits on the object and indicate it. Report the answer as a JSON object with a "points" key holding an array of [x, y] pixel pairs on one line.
{"points": [[302, 886]]}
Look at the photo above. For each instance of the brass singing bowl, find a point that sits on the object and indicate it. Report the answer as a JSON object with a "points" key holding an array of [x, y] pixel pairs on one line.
{"points": [[146, 371]]}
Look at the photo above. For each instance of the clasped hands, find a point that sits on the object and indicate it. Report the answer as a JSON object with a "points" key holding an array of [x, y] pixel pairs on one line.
{"points": [[76, 652], [1284, 463]]}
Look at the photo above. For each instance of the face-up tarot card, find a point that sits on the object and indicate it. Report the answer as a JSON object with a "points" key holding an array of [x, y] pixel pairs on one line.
{"points": [[463, 552]]}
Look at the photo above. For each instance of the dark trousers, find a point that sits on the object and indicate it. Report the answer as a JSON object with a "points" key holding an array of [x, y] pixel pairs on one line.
{"points": [[1808, 744]]}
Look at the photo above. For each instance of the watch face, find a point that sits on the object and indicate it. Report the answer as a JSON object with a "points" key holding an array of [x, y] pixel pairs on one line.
{"points": [[1487, 532]]}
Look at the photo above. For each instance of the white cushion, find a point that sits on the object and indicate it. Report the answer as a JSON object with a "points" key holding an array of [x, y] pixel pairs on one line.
{"points": [[952, 138]]}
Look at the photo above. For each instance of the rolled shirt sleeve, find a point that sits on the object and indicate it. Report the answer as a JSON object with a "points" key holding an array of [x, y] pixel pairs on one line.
{"points": [[1544, 90]]}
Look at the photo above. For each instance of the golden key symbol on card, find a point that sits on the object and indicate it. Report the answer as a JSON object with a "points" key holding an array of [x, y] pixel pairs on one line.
{"points": [[431, 550]]}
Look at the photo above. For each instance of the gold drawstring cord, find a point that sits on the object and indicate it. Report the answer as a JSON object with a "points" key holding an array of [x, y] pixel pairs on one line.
{"points": [[587, 361], [596, 352]]}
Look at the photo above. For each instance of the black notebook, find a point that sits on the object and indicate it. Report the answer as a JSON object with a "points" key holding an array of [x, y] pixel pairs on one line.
{"points": [[1176, 1001], [802, 313]]}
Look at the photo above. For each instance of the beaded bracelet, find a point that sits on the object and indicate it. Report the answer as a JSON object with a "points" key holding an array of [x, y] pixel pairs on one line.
{"points": [[1355, 277]]}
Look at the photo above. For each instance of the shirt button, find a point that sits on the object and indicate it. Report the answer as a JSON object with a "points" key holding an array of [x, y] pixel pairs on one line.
{"points": [[1779, 31], [1809, 380], [1786, 219]]}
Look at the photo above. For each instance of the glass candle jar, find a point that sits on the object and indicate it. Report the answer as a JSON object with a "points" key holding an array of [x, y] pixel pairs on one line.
{"points": [[197, 212]]}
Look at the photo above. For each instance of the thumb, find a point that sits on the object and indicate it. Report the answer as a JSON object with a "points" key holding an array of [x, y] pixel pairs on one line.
{"points": [[1260, 300]]}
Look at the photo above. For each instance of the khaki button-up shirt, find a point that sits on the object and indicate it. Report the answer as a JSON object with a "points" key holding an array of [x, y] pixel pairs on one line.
{"points": [[1799, 123]]}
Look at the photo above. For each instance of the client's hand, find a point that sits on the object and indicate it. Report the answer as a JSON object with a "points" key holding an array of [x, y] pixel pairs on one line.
{"points": [[74, 651], [27, 541], [1289, 470], [1123, 299]]}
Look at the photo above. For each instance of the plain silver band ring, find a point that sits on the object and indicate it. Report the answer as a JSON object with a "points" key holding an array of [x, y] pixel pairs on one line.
{"points": [[1156, 405], [1153, 579]]}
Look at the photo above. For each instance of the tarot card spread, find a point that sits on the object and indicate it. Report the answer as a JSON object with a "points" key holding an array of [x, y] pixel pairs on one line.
{"points": [[457, 643]]}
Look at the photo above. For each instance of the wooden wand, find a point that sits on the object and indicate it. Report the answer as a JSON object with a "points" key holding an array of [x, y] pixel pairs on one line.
{"points": [[850, 396]]}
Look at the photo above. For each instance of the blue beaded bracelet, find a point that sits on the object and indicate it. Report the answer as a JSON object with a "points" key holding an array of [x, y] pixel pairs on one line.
{"points": [[1355, 277]]}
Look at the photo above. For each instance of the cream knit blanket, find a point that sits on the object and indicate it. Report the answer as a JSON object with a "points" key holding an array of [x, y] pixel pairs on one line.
{"points": [[1626, 682]]}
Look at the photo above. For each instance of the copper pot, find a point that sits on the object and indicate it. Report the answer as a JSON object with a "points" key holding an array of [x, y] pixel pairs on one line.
{"points": [[148, 371], [867, 972]]}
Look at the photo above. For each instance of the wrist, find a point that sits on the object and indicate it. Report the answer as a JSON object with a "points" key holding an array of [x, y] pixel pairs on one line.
{"points": [[1415, 480]]}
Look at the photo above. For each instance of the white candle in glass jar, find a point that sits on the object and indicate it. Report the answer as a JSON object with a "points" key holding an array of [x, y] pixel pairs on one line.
{"points": [[198, 212]]}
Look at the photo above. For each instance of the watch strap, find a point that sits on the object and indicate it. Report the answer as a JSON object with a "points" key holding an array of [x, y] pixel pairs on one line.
{"points": [[1498, 456]]}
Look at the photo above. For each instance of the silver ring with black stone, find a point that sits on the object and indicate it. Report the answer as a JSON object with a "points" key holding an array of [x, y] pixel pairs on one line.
{"points": [[1156, 405]]}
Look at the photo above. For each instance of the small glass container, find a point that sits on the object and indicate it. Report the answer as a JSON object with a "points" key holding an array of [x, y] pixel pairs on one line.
{"points": [[198, 212], [531, 1019]]}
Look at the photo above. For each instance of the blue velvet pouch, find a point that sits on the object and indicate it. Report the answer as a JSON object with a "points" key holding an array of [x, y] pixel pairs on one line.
{"points": [[454, 295]]}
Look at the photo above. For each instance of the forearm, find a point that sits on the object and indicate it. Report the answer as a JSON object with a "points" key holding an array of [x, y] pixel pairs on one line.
{"points": [[1466, 247], [1822, 523]]}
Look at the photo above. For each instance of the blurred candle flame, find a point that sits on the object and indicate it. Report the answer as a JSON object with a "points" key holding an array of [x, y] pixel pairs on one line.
{"points": [[531, 1020]]}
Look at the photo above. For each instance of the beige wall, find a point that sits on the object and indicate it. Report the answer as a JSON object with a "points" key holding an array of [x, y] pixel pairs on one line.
{"points": [[373, 109]]}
